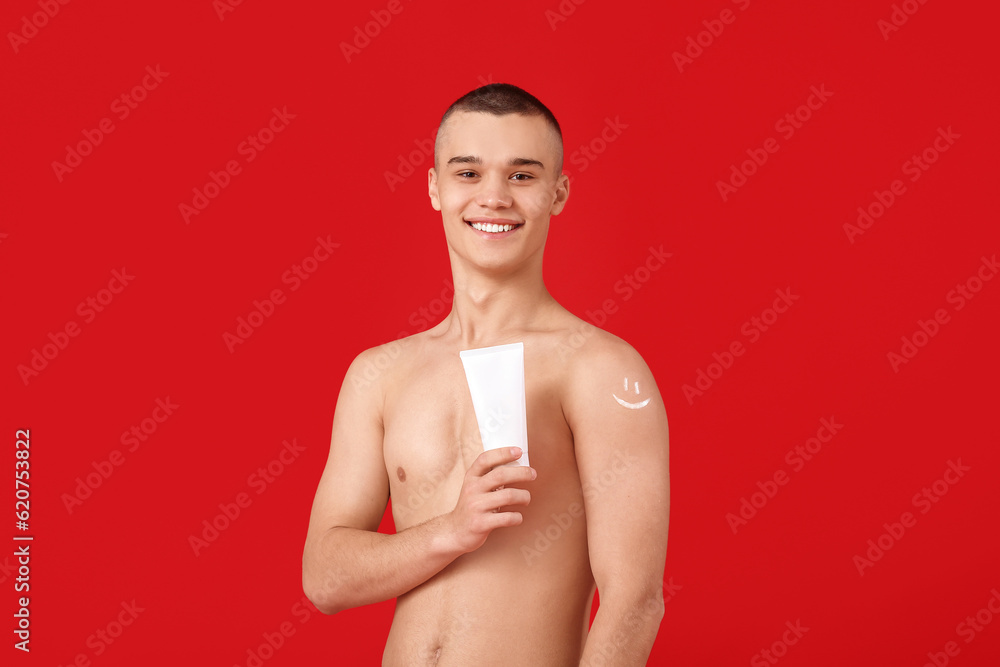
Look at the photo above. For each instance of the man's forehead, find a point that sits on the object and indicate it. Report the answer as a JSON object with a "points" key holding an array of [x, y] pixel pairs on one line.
{"points": [[496, 137]]}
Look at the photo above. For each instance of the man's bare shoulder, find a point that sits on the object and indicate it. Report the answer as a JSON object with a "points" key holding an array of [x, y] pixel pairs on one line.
{"points": [[377, 368], [597, 366], [583, 348]]}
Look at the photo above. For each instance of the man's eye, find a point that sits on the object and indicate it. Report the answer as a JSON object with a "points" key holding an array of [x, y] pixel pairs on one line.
{"points": [[467, 174], [523, 177]]}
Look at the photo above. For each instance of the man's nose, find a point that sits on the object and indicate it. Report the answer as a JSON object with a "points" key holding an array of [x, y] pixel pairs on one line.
{"points": [[495, 193]]}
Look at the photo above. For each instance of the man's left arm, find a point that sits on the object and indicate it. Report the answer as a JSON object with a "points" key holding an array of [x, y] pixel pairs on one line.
{"points": [[620, 433]]}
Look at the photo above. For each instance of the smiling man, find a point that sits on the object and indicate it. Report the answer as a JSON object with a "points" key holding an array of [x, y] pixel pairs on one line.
{"points": [[494, 564]]}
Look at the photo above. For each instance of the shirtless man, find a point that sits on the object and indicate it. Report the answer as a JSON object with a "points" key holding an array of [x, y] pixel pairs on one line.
{"points": [[494, 564]]}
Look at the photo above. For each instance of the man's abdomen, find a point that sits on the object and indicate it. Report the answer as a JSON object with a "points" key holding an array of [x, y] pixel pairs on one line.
{"points": [[492, 607]]}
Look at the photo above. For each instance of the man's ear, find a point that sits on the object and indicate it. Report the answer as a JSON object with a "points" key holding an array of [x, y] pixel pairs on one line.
{"points": [[432, 189], [562, 194]]}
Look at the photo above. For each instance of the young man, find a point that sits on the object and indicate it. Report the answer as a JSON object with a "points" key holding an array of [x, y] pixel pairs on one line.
{"points": [[495, 564]]}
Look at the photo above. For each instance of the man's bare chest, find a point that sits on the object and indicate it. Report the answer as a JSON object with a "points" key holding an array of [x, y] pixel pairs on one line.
{"points": [[432, 437]]}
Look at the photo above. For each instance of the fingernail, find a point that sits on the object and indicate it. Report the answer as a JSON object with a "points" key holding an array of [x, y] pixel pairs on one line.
{"points": [[534, 473], [515, 451]]}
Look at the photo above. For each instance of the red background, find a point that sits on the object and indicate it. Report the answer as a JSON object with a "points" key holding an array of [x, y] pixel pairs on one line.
{"points": [[324, 176]]}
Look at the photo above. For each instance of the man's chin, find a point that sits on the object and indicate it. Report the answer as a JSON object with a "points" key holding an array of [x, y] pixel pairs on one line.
{"points": [[493, 261]]}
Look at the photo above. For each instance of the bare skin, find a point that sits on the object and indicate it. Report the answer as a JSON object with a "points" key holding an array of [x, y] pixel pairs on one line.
{"points": [[496, 564]]}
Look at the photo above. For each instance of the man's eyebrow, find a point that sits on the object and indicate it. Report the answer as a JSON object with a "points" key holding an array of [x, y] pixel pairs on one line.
{"points": [[465, 159], [513, 162], [526, 162]]}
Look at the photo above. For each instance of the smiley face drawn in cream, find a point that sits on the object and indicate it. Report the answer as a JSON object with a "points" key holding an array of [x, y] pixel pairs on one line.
{"points": [[631, 406]]}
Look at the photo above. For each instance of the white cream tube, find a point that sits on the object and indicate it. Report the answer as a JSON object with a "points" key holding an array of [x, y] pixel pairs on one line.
{"points": [[496, 382]]}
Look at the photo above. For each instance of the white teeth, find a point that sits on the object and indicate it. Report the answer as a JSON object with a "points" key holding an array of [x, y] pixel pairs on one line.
{"points": [[492, 228]]}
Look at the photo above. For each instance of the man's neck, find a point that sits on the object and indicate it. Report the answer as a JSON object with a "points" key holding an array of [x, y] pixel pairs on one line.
{"points": [[493, 309]]}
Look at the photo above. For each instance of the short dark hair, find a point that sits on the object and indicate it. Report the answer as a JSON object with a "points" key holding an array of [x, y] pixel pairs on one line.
{"points": [[501, 99]]}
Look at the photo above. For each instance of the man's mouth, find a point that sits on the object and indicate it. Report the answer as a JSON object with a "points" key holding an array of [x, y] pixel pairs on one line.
{"points": [[493, 227]]}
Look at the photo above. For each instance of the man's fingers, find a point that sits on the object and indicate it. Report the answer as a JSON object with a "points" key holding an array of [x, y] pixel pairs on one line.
{"points": [[503, 520], [505, 497], [504, 475], [492, 458]]}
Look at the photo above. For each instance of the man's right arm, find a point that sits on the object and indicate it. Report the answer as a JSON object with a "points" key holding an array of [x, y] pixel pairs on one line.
{"points": [[346, 562]]}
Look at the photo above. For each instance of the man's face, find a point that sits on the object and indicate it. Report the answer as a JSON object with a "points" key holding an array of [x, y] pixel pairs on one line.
{"points": [[497, 170]]}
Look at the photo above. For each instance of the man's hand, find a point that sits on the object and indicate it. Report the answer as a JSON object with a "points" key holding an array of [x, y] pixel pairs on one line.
{"points": [[484, 492]]}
